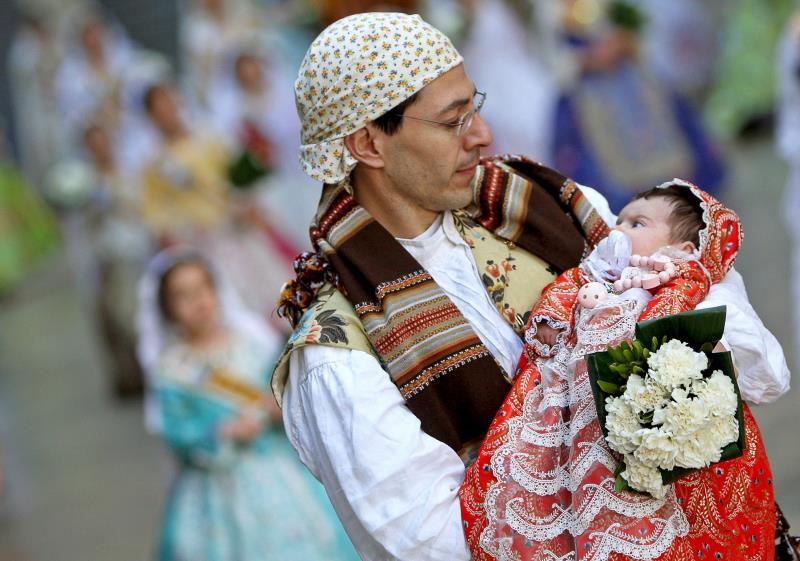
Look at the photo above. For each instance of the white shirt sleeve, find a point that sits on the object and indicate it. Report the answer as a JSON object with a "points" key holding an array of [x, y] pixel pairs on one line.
{"points": [[394, 487], [758, 357]]}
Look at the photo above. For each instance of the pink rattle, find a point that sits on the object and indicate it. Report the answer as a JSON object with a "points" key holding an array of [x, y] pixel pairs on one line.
{"points": [[661, 270], [592, 294]]}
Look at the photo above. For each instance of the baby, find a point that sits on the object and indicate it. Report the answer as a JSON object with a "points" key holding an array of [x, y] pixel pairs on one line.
{"points": [[543, 483], [658, 228]]}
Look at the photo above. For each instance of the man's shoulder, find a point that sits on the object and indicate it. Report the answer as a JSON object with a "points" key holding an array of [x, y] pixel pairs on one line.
{"points": [[330, 322]]}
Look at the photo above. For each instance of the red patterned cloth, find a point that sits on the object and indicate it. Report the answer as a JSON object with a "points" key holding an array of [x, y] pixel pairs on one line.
{"points": [[725, 511]]}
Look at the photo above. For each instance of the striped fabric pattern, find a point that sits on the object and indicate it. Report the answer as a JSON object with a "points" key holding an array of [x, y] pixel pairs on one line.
{"points": [[442, 369], [418, 331], [593, 225]]}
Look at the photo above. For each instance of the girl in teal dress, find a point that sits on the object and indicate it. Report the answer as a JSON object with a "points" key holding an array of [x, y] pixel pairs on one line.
{"points": [[239, 492]]}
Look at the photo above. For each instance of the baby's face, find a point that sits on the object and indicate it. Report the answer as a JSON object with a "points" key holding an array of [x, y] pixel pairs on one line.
{"points": [[647, 223]]}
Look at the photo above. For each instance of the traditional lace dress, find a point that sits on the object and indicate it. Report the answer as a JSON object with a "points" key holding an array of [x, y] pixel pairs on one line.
{"points": [[542, 486]]}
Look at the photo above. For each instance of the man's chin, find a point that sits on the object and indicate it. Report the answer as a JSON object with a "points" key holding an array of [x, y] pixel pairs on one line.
{"points": [[458, 197]]}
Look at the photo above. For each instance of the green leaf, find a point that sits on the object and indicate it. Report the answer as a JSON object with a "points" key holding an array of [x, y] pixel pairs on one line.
{"points": [[620, 484], [616, 354], [638, 350], [637, 370], [695, 328], [608, 387]]}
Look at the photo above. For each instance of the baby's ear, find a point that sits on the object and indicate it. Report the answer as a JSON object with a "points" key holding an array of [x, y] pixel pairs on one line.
{"points": [[688, 247]]}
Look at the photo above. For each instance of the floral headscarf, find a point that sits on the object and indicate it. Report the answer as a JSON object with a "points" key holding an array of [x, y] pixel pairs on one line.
{"points": [[359, 68]]}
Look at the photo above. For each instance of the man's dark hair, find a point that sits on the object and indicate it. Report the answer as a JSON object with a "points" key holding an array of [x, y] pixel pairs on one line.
{"points": [[686, 219], [390, 121]]}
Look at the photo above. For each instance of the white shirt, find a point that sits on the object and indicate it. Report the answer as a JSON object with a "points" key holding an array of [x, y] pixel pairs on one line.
{"points": [[394, 487]]}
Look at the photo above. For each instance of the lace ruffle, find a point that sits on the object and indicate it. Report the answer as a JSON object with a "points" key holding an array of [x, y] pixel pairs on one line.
{"points": [[555, 472]]}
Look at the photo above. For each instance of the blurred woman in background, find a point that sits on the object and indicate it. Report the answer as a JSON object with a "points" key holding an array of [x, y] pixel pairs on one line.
{"points": [[188, 198], [239, 492], [617, 127]]}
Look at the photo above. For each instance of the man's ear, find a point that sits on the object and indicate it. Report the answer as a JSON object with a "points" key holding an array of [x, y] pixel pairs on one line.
{"points": [[365, 146]]}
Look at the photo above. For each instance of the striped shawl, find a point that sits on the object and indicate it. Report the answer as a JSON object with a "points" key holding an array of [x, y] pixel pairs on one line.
{"points": [[447, 376]]}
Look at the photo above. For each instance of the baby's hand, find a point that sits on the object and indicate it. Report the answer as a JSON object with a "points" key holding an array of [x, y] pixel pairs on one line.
{"points": [[546, 334]]}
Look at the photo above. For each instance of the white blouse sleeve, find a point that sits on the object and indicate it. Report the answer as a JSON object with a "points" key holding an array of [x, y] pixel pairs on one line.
{"points": [[758, 357], [394, 487]]}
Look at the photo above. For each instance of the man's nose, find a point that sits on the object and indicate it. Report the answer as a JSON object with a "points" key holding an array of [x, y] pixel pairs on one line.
{"points": [[478, 135]]}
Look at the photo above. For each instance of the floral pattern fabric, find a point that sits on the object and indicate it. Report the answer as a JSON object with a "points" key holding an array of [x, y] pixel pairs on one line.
{"points": [[359, 68]]}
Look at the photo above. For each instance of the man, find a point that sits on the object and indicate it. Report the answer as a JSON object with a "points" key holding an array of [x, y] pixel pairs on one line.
{"points": [[409, 317]]}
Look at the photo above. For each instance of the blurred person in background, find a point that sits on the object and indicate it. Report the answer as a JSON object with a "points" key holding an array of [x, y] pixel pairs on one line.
{"points": [[252, 104], [29, 230], [516, 72], [617, 127], [239, 491], [101, 80], [188, 197], [682, 41], [742, 98], [210, 32], [330, 11], [121, 246], [34, 59], [788, 145]]}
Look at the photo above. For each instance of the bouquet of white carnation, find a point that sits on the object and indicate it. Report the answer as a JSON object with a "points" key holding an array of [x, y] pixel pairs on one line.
{"points": [[667, 404]]}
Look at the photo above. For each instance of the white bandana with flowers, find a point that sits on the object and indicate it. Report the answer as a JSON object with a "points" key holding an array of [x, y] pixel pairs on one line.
{"points": [[355, 71]]}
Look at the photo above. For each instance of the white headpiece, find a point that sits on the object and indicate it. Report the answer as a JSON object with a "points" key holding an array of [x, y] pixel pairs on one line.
{"points": [[359, 68]]}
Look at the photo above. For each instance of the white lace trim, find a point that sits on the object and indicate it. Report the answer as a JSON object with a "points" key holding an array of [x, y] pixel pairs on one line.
{"points": [[546, 456], [543, 349]]}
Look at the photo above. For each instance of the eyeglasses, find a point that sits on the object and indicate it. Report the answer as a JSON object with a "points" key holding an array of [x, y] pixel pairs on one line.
{"points": [[464, 122]]}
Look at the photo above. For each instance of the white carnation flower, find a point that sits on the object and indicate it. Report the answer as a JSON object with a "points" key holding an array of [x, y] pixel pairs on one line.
{"points": [[622, 423], [676, 364], [684, 415], [721, 431], [696, 450], [719, 394], [644, 395], [643, 478], [656, 449]]}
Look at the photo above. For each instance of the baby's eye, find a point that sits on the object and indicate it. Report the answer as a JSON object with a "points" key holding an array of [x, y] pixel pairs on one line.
{"points": [[637, 224]]}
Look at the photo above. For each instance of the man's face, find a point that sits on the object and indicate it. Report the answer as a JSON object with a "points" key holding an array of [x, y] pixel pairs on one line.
{"points": [[426, 163]]}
